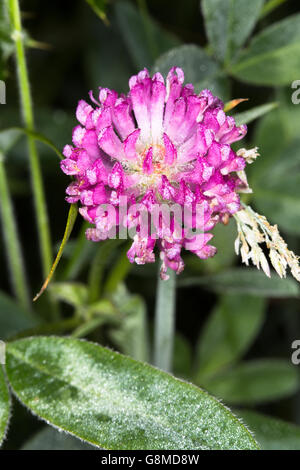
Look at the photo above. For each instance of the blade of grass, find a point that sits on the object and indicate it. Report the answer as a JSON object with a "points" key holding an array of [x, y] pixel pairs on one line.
{"points": [[11, 240], [68, 230]]}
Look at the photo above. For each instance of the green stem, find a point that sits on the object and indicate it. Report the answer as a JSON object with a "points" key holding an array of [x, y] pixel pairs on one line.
{"points": [[81, 249], [12, 244], [27, 111], [164, 327]]}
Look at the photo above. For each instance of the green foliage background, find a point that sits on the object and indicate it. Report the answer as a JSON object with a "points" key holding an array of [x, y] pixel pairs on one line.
{"points": [[234, 327]]}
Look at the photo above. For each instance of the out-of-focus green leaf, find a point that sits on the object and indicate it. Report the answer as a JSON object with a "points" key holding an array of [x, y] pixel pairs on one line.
{"points": [[273, 56], [269, 6], [255, 382], [4, 405], [144, 44], [13, 318], [99, 7], [73, 293], [9, 136], [6, 41], [277, 191], [246, 281], [228, 333], [182, 361], [51, 439], [118, 272], [223, 240], [116, 402], [199, 68], [248, 116], [272, 434], [131, 334], [229, 23]]}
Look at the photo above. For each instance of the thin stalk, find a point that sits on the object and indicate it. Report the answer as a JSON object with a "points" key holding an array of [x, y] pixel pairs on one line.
{"points": [[164, 327], [11, 240], [27, 112], [79, 255]]}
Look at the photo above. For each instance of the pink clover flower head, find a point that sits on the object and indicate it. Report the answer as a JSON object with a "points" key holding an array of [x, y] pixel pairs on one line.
{"points": [[162, 145]]}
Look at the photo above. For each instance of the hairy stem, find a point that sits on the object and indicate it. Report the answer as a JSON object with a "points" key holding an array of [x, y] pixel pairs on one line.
{"points": [[11, 240], [164, 328], [27, 112]]}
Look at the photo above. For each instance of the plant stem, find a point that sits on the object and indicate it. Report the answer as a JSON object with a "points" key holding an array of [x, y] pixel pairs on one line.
{"points": [[164, 328], [12, 244], [27, 111]]}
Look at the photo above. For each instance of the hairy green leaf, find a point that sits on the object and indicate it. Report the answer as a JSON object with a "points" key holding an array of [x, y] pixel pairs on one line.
{"points": [[4, 405], [115, 402]]}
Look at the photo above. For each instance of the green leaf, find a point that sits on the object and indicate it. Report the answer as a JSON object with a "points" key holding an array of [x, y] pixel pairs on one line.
{"points": [[199, 68], [229, 23], [51, 439], [115, 402], [273, 56], [272, 434], [131, 334], [144, 42], [118, 272], [99, 7], [255, 382], [13, 318], [229, 332], [4, 405], [278, 195], [248, 116], [73, 293], [246, 281], [72, 215]]}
